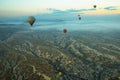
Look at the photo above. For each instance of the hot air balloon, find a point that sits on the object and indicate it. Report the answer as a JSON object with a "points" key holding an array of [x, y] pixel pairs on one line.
{"points": [[94, 6], [79, 17], [60, 73], [31, 20], [65, 30]]}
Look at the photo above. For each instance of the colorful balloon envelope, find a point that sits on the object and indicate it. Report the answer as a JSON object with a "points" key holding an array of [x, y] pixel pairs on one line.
{"points": [[31, 20], [65, 30], [94, 6], [60, 73]]}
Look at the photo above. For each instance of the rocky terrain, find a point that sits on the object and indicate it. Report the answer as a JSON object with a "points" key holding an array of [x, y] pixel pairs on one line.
{"points": [[27, 54]]}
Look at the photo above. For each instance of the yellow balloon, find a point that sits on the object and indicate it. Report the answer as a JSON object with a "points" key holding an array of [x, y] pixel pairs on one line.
{"points": [[60, 73], [31, 20]]}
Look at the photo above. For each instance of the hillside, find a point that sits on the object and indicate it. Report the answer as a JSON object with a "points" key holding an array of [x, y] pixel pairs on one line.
{"points": [[41, 54]]}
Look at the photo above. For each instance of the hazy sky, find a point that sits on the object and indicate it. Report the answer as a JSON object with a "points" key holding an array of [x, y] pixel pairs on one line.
{"points": [[30, 7]]}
